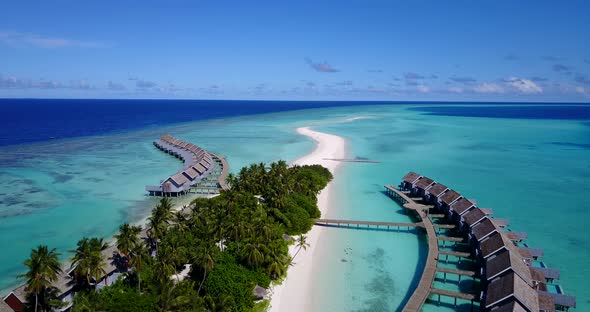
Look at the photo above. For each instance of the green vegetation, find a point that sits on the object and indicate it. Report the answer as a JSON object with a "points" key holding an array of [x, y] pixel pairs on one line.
{"points": [[232, 242], [43, 268], [88, 261]]}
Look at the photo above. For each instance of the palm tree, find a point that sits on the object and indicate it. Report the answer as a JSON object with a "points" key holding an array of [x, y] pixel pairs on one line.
{"points": [[159, 220], [205, 260], [300, 242], [237, 230], [254, 252], [89, 260], [139, 255], [180, 220], [127, 237], [43, 267], [231, 179]]}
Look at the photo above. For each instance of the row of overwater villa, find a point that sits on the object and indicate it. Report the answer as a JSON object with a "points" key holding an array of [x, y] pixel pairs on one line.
{"points": [[202, 170], [511, 276]]}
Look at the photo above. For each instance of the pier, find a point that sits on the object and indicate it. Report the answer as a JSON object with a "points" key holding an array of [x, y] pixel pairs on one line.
{"points": [[203, 172], [357, 160], [503, 264], [424, 288], [367, 224]]}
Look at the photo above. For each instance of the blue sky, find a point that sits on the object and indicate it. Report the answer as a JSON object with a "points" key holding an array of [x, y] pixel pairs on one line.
{"points": [[299, 50]]}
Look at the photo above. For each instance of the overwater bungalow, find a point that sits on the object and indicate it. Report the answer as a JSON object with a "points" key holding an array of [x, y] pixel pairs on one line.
{"points": [[432, 194], [200, 168], [509, 280], [482, 230], [176, 182], [421, 186], [191, 174], [204, 164], [460, 207], [409, 181], [470, 218], [491, 245], [508, 288], [447, 199], [198, 165], [505, 262]]}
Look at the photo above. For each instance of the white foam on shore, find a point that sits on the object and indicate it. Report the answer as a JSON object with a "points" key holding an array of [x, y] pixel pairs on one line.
{"points": [[292, 294]]}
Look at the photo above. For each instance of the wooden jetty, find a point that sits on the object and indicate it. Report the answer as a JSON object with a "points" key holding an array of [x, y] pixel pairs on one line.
{"points": [[222, 179], [453, 294], [367, 224], [356, 160], [454, 253], [488, 242], [424, 287], [450, 239], [455, 271]]}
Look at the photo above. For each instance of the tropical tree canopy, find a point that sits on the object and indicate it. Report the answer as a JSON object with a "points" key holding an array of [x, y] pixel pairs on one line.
{"points": [[232, 243]]}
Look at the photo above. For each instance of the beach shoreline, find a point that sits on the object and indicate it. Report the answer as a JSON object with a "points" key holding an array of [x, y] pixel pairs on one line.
{"points": [[291, 294]]}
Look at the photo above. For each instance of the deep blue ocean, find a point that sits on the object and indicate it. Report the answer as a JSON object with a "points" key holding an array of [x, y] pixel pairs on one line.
{"points": [[34, 120]]}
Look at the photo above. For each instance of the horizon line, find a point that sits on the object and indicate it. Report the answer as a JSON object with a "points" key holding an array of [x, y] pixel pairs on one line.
{"points": [[308, 101]]}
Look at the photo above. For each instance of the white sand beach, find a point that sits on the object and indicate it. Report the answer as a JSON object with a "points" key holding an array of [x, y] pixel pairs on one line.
{"points": [[291, 295]]}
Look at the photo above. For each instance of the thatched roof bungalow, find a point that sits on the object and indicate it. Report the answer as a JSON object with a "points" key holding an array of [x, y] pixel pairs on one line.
{"points": [[432, 194], [470, 218], [448, 198], [191, 174], [491, 245], [505, 262], [459, 207], [510, 287], [409, 181], [422, 185], [483, 229]]}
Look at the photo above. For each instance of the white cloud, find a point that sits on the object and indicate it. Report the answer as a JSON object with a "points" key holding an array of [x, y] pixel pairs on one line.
{"points": [[12, 38], [423, 89], [523, 85], [488, 88], [455, 90], [580, 90]]}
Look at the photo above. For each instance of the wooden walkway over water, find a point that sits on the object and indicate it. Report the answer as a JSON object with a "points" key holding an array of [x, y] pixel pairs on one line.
{"points": [[222, 179], [424, 288], [357, 160], [367, 224]]}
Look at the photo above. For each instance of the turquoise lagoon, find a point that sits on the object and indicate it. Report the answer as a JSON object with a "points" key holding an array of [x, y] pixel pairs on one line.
{"points": [[531, 171]]}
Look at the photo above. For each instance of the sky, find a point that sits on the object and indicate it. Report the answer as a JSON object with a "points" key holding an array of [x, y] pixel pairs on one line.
{"points": [[534, 51]]}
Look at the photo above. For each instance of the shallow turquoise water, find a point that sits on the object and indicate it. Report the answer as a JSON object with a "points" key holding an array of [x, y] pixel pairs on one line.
{"points": [[532, 172], [56, 193]]}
